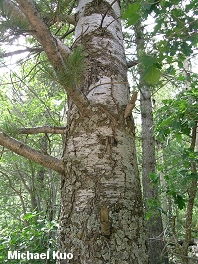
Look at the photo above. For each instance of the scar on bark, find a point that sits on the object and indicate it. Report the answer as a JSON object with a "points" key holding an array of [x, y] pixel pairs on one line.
{"points": [[104, 221]]}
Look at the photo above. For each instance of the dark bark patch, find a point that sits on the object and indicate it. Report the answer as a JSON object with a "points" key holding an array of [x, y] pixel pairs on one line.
{"points": [[104, 221], [99, 7], [110, 140]]}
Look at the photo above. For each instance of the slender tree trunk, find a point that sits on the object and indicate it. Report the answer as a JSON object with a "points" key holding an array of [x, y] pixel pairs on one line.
{"points": [[102, 215], [164, 198], [52, 197], [154, 227], [192, 188], [156, 245]]}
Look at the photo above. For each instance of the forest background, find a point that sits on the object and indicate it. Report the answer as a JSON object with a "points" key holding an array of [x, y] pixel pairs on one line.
{"points": [[160, 40]]}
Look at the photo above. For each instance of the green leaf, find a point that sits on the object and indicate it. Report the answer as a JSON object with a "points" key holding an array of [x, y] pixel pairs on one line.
{"points": [[132, 9], [157, 26], [147, 60], [154, 178], [186, 49], [171, 192], [148, 214], [179, 200], [186, 130], [152, 75], [169, 59], [132, 14], [133, 19], [194, 176], [178, 137], [29, 216]]}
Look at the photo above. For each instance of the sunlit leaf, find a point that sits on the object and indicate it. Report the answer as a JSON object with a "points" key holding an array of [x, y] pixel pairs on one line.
{"points": [[152, 75]]}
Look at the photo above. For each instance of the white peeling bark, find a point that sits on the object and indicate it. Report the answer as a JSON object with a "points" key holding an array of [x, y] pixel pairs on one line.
{"points": [[102, 216]]}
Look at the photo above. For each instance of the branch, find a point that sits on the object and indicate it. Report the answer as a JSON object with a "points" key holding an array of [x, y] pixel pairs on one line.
{"points": [[51, 20], [130, 105], [130, 64], [41, 31], [16, 52], [104, 15], [34, 155], [43, 129], [67, 33], [68, 18], [52, 47], [11, 11]]}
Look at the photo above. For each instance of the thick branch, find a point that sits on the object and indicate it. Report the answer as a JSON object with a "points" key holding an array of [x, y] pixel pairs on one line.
{"points": [[52, 48], [41, 32], [12, 11], [43, 129], [30, 153]]}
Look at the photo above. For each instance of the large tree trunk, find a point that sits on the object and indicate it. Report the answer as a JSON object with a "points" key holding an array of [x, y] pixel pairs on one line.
{"points": [[102, 211], [102, 214]]}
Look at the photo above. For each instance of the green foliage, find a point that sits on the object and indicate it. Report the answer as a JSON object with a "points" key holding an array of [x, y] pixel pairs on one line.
{"points": [[175, 121], [74, 69], [36, 102], [152, 68], [9, 127], [29, 99], [154, 177], [132, 14], [178, 116], [176, 23], [172, 39], [75, 64], [153, 74], [178, 199], [154, 206], [37, 236]]}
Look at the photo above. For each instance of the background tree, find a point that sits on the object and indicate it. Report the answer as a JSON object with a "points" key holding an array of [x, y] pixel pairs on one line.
{"points": [[172, 29]]}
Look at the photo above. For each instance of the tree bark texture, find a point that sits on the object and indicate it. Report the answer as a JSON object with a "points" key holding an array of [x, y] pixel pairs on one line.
{"points": [[102, 218], [102, 213], [154, 227]]}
